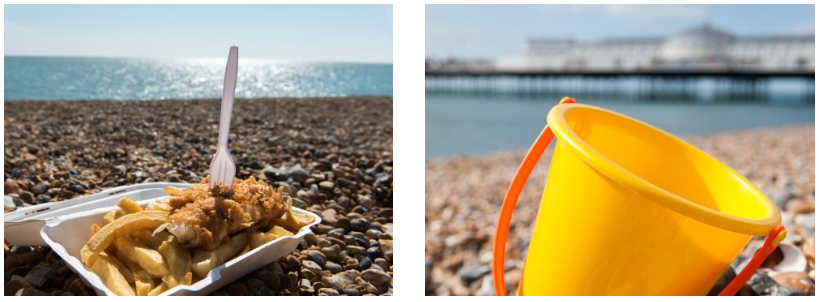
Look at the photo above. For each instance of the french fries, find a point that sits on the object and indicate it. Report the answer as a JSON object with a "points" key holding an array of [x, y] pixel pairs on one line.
{"points": [[201, 262], [293, 221], [151, 240], [158, 290], [111, 276], [133, 253], [128, 206], [143, 283], [259, 238], [147, 258], [119, 227], [179, 262], [113, 215], [204, 261], [172, 191]]}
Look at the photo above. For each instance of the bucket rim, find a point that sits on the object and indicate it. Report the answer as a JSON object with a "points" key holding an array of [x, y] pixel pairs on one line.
{"points": [[557, 121]]}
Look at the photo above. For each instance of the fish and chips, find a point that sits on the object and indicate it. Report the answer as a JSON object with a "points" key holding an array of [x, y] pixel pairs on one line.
{"points": [[179, 239]]}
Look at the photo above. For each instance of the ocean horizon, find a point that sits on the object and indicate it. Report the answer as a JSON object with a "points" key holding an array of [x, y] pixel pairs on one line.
{"points": [[113, 78], [465, 125]]}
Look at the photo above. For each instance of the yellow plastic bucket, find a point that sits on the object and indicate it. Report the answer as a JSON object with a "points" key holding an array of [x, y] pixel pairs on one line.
{"points": [[629, 209]]}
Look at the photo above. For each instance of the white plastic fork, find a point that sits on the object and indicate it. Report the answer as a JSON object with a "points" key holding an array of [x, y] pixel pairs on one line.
{"points": [[222, 167]]}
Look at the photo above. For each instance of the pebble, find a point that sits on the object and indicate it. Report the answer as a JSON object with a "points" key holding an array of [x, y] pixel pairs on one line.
{"points": [[327, 159], [487, 287], [329, 216], [27, 197], [332, 252], [77, 189], [10, 187], [364, 263], [471, 274], [310, 275], [723, 281], [328, 292], [339, 280], [317, 257], [334, 267], [39, 275], [386, 248], [326, 186], [344, 183], [311, 266], [40, 188], [275, 174], [382, 262], [376, 277], [355, 250], [31, 292], [360, 225], [270, 279], [293, 263], [344, 223], [796, 280], [764, 285], [237, 289], [374, 252], [256, 287], [15, 284], [298, 174]]}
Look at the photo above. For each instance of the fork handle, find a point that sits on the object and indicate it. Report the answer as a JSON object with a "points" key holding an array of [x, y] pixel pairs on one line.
{"points": [[227, 97]]}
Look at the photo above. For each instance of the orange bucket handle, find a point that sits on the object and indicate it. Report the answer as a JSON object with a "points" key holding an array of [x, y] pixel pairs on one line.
{"points": [[513, 193]]}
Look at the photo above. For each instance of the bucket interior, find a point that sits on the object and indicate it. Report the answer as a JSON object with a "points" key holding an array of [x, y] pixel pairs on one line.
{"points": [[666, 162]]}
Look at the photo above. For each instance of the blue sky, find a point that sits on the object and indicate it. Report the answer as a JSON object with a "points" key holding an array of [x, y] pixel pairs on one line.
{"points": [[489, 31], [347, 33]]}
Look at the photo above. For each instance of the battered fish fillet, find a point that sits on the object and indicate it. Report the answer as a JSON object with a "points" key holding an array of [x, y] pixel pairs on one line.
{"points": [[202, 218]]}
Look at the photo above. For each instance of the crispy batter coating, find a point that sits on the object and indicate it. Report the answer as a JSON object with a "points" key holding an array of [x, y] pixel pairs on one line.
{"points": [[202, 218]]}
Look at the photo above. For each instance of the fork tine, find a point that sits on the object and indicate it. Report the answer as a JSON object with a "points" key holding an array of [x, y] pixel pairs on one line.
{"points": [[212, 176], [223, 173]]}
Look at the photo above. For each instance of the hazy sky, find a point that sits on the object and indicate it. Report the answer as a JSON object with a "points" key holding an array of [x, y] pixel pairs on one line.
{"points": [[349, 33], [488, 31]]}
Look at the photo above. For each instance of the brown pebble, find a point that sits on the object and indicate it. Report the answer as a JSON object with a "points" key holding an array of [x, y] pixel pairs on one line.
{"points": [[386, 248], [809, 249], [310, 275], [344, 223], [311, 266], [22, 259], [381, 262], [31, 292], [350, 263], [270, 279], [237, 289], [328, 292], [338, 242], [293, 263], [15, 284], [795, 280], [332, 252], [38, 276], [79, 288], [355, 250]]}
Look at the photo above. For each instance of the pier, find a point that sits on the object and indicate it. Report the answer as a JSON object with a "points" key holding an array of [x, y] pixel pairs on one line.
{"points": [[722, 85]]}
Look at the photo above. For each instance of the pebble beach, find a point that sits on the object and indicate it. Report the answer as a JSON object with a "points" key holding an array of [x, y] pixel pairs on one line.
{"points": [[332, 155], [464, 194]]}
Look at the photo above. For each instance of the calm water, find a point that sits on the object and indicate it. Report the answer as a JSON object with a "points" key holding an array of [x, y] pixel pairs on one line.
{"points": [[60, 78], [475, 124]]}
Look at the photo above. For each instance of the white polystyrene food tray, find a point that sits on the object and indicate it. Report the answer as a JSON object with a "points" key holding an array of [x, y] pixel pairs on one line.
{"points": [[22, 227], [67, 234]]}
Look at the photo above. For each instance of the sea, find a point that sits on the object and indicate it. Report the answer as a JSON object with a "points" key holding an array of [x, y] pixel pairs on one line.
{"points": [[88, 78], [473, 124]]}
